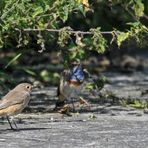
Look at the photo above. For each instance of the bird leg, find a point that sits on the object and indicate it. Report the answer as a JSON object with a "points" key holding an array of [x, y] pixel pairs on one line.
{"points": [[14, 123], [73, 106], [11, 123]]}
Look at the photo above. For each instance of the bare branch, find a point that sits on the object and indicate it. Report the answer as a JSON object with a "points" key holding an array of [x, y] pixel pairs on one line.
{"points": [[58, 30]]}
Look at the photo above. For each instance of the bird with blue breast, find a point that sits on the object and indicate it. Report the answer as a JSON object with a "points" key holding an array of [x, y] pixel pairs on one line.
{"points": [[70, 85]]}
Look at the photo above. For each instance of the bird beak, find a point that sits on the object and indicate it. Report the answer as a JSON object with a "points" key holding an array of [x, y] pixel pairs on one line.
{"points": [[86, 73], [32, 86]]}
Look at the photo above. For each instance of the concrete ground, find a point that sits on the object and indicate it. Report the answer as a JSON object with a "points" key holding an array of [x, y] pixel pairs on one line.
{"points": [[102, 125], [52, 130]]}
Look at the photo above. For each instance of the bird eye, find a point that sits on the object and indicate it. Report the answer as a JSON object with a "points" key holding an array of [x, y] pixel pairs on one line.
{"points": [[27, 87]]}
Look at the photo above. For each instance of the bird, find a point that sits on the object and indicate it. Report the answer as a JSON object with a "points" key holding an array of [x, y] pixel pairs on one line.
{"points": [[14, 102], [70, 85]]}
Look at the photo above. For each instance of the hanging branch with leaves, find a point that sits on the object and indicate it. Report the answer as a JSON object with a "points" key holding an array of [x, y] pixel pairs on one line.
{"points": [[22, 20]]}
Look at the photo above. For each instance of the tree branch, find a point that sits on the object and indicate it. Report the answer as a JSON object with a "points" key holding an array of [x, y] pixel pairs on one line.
{"points": [[58, 30]]}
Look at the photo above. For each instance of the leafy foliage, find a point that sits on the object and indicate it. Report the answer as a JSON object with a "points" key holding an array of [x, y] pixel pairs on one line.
{"points": [[64, 35], [31, 14], [17, 15], [137, 31], [98, 41]]}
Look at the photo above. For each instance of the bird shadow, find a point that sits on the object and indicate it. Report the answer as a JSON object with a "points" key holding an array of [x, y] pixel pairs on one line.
{"points": [[32, 129], [4, 131]]}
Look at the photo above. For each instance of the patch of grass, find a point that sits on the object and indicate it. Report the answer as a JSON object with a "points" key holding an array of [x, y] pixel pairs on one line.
{"points": [[138, 104]]}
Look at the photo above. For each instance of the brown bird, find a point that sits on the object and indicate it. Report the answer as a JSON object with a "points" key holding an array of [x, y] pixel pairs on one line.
{"points": [[15, 101]]}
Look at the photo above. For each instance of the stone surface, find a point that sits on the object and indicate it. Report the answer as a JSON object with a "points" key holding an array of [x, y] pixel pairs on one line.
{"points": [[131, 86], [78, 131], [103, 124]]}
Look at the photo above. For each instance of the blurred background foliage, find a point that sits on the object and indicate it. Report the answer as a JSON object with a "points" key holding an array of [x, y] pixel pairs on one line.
{"points": [[41, 53]]}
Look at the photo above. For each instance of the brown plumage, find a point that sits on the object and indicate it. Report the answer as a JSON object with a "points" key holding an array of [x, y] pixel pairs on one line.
{"points": [[15, 101]]}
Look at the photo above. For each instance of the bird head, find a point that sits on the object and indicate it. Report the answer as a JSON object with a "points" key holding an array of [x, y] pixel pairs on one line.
{"points": [[24, 87]]}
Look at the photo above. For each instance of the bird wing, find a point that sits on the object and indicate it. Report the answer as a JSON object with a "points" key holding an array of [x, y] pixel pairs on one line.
{"points": [[12, 98]]}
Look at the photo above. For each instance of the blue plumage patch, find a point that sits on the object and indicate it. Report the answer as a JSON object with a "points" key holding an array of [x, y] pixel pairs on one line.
{"points": [[77, 74]]}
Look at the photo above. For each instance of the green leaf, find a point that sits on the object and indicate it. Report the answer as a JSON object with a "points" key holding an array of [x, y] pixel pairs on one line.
{"points": [[90, 86], [122, 36], [30, 72], [82, 9], [98, 41], [14, 59], [135, 24], [37, 11], [139, 8]]}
